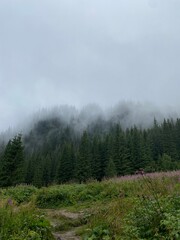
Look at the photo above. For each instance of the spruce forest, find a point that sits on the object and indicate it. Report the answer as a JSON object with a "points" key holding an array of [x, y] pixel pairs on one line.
{"points": [[53, 152]]}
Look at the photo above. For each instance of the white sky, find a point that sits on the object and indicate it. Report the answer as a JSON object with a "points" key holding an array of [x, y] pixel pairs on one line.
{"points": [[76, 52]]}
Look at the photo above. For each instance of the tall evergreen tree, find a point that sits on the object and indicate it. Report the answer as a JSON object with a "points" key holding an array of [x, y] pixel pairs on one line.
{"points": [[96, 159], [12, 170], [66, 167], [46, 170], [106, 153], [135, 148], [38, 180], [125, 162], [155, 140], [168, 139], [116, 151], [110, 170], [29, 170], [83, 167]]}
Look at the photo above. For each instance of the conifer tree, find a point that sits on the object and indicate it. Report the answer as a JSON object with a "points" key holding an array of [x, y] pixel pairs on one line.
{"points": [[38, 172], [83, 164], [110, 170], [168, 138], [125, 161], [12, 170], [29, 171], [96, 159], [137, 148], [46, 170], [106, 153], [116, 154], [66, 167], [155, 141], [166, 163]]}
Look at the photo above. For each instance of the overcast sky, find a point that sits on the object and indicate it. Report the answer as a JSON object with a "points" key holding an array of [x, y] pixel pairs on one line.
{"points": [[76, 52]]}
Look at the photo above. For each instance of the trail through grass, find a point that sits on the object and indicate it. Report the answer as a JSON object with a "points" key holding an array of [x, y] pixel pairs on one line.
{"points": [[64, 223], [131, 207]]}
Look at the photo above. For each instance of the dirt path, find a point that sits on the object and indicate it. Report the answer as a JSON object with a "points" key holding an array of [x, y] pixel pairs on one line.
{"points": [[69, 235], [71, 215], [70, 221]]}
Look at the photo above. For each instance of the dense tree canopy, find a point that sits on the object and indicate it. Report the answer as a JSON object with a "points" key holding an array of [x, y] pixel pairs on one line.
{"points": [[55, 153]]}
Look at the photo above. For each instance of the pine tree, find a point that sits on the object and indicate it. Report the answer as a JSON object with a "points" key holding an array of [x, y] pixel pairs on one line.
{"points": [[46, 170], [110, 170], [29, 171], [66, 167], [106, 153], [83, 167], [12, 170], [135, 148], [146, 154], [116, 154], [155, 140], [38, 172], [166, 163], [168, 138], [125, 161], [96, 159]]}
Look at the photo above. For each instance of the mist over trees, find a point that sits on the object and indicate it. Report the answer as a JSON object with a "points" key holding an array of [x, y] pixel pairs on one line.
{"points": [[126, 113], [77, 148]]}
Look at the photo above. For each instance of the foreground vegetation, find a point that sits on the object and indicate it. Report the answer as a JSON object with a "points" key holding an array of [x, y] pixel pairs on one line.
{"points": [[23, 223], [137, 207]]}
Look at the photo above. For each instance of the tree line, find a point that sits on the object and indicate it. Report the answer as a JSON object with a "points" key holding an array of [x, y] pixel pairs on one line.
{"points": [[54, 153]]}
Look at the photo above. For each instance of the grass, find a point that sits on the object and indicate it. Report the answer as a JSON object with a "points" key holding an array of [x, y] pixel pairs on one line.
{"points": [[20, 194], [23, 223], [64, 222], [131, 207]]}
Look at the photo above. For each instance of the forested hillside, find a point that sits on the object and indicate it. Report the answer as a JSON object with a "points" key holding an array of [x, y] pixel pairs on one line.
{"points": [[54, 152]]}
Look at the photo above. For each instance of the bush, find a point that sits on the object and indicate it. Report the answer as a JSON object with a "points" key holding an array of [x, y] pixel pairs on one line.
{"points": [[54, 197], [23, 223], [68, 195], [154, 219], [99, 233], [20, 194]]}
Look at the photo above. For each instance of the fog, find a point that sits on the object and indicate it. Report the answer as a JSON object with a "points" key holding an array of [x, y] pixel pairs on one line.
{"points": [[127, 114], [66, 52]]}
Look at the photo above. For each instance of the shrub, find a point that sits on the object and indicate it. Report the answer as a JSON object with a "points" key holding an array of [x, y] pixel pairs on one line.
{"points": [[154, 217], [99, 233], [20, 194], [23, 223], [54, 197], [68, 195]]}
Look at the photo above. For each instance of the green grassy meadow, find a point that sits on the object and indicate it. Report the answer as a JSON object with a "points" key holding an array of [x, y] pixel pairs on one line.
{"points": [[131, 207]]}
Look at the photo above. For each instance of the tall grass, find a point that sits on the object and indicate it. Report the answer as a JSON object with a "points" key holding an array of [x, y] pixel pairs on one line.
{"points": [[21, 193], [25, 222], [150, 211], [131, 207]]}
